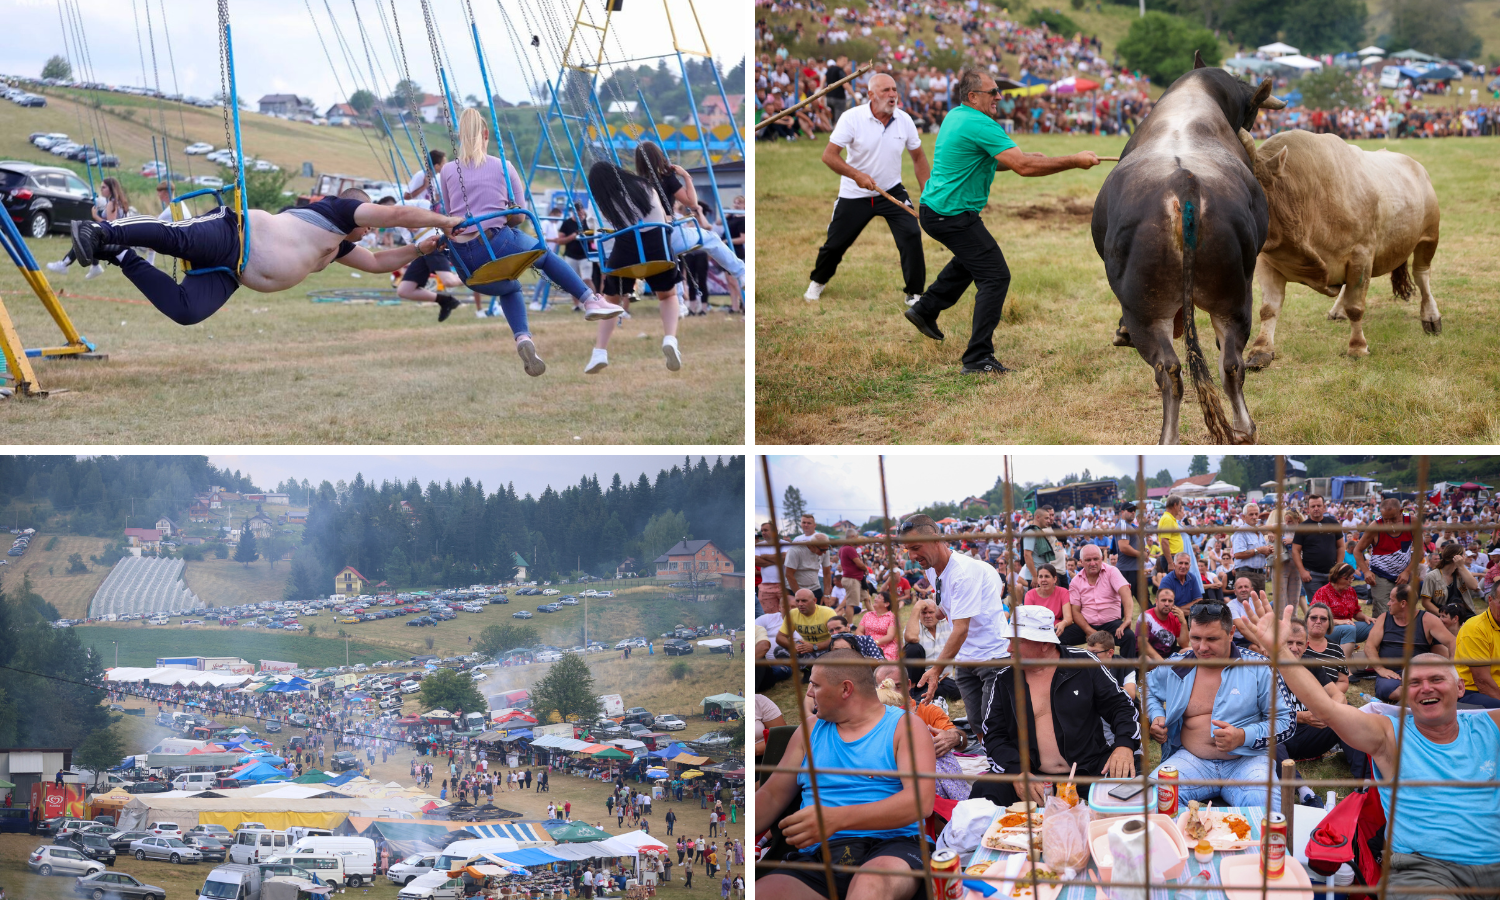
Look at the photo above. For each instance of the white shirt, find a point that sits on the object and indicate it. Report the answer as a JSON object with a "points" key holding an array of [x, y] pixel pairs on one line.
{"points": [[970, 589], [873, 148], [771, 622], [933, 644]]}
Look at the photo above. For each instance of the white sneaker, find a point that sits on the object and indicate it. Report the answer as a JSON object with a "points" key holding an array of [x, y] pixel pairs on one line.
{"points": [[596, 308], [59, 266], [598, 360], [535, 306], [911, 299], [670, 351], [814, 291], [481, 314], [624, 316], [533, 363], [94, 272]]}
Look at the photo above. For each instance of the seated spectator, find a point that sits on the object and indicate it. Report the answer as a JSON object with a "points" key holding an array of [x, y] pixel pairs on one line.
{"points": [[1184, 703], [841, 636], [1102, 600], [1186, 590], [872, 820], [1311, 736], [1161, 632], [946, 737], [879, 624], [1449, 581], [1065, 710], [767, 716], [763, 651], [926, 634], [1102, 645], [1444, 837], [1387, 641], [1479, 638], [1351, 624], [1048, 594], [806, 627], [1454, 615]]}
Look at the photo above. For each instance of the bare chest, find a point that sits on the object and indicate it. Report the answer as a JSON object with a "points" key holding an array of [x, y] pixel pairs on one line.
{"points": [[1205, 687]]}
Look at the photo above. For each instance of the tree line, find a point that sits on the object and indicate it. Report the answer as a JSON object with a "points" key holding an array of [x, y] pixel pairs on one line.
{"points": [[451, 535]]}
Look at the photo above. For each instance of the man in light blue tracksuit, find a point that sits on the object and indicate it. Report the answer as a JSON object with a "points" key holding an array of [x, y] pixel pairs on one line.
{"points": [[1216, 722]]}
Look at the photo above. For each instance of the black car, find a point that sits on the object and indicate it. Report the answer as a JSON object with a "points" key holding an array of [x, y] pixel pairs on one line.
{"points": [[213, 850], [637, 715], [343, 761], [273, 727], [94, 846], [121, 840], [43, 199], [148, 787], [500, 599], [673, 647]]}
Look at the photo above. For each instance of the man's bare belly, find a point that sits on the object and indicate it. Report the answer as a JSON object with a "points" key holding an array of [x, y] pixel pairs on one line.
{"points": [[284, 250], [1198, 737]]}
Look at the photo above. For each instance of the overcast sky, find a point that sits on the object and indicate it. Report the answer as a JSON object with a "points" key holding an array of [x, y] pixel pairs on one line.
{"points": [[530, 474], [277, 51], [836, 487]]}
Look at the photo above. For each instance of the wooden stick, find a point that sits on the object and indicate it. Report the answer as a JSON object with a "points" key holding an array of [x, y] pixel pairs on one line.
{"points": [[899, 203], [791, 109], [1109, 159]]}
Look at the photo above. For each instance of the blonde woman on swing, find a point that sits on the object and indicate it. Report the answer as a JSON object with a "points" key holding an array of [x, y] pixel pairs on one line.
{"points": [[475, 184]]}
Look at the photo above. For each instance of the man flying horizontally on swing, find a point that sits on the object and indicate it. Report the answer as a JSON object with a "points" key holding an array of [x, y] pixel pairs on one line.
{"points": [[285, 248]]}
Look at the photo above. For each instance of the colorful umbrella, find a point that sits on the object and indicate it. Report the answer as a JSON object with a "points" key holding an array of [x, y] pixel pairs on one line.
{"points": [[1074, 85]]}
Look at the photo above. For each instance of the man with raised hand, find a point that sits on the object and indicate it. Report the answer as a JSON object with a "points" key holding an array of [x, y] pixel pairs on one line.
{"points": [[870, 821], [1442, 838]]}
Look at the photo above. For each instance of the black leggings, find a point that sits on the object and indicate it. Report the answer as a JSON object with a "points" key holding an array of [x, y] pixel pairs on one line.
{"points": [[209, 241]]}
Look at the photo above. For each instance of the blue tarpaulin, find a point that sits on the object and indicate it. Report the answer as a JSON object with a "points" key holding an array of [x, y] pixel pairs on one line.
{"points": [[530, 856], [258, 772], [342, 778]]}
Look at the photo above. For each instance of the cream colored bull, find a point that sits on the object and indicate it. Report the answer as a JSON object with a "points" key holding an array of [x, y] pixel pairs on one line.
{"points": [[1339, 217]]}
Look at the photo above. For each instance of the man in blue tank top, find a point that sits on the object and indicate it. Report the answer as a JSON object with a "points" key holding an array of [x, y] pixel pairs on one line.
{"points": [[872, 821], [1441, 837]]}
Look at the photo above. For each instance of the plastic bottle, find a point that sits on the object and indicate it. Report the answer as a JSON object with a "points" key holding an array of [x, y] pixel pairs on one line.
{"points": [[1367, 698]]}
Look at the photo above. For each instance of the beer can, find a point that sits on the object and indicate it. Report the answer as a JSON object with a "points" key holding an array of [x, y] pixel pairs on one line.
{"points": [[1166, 790], [947, 880], [1273, 845]]}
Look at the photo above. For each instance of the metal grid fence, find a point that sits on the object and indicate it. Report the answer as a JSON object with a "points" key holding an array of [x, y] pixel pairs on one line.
{"points": [[1009, 536]]}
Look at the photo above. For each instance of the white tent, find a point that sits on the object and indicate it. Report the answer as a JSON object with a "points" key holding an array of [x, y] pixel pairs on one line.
{"points": [[1299, 62], [1371, 60], [1371, 50], [714, 642], [1278, 49], [1220, 488], [1189, 489]]}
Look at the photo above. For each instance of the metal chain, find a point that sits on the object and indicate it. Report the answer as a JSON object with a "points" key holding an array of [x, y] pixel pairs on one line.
{"points": [[172, 62], [452, 126], [426, 160], [381, 163], [239, 156]]}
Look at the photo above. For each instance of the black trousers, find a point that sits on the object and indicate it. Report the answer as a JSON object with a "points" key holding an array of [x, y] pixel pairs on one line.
{"points": [[207, 242], [1124, 645], [976, 260], [695, 274], [1308, 742], [850, 216]]}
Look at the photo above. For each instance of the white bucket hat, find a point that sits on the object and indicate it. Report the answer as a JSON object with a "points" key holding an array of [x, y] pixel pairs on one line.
{"points": [[1035, 623]]}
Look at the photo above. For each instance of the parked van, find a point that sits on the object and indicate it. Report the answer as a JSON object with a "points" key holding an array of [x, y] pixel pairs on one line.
{"points": [[231, 882], [433, 886], [358, 852], [325, 865], [253, 846], [411, 868], [160, 620], [298, 832], [195, 781]]}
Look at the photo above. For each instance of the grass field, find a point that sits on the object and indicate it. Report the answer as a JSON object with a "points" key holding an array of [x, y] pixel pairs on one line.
{"points": [[48, 571], [280, 369], [850, 370]]}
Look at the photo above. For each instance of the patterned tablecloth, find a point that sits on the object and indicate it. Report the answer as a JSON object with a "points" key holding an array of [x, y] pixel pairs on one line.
{"points": [[1208, 888]]}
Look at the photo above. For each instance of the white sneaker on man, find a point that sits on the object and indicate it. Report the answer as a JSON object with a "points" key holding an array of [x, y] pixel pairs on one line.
{"points": [[911, 299], [59, 266], [814, 291], [671, 352], [94, 272], [598, 360]]}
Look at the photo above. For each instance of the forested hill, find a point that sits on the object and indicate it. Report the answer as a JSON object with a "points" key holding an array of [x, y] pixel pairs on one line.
{"points": [[95, 495], [459, 534]]}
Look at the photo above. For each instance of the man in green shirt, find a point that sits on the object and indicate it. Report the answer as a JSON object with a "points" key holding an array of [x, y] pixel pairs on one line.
{"points": [[971, 146]]}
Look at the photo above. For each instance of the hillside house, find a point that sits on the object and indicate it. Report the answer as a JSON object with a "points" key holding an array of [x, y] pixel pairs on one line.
{"points": [[260, 525], [199, 512], [285, 105], [520, 565], [711, 110], [432, 107], [145, 538], [349, 582], [692, 560], [279, 499], [166, 526]]}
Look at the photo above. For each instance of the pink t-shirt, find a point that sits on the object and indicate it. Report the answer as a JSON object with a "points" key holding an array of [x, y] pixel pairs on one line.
{"points": [[876, 626], [1055, 602], [1099, 602], [489, 187]]}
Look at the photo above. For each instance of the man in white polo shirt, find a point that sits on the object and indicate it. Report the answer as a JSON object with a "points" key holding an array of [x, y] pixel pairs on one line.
{"points": [[971, 595], [875, 134]]}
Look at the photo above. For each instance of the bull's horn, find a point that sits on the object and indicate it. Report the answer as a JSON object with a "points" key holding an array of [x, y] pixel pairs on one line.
{"points": [[1272, 103], [1198, 62]]}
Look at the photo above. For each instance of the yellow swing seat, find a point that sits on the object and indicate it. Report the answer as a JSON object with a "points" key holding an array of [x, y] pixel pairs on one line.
{"points": [[506, 268], [644, 269]]}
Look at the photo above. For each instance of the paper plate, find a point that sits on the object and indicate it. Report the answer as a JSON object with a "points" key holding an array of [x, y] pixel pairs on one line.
{"points": [[1240, 876]]}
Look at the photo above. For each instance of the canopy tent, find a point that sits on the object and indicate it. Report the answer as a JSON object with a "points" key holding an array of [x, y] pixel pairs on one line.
{"points": [[164, 676], [724, 701], [531, 856], [1298, 61], [1417, 55], [258, 771], [1278, 49], [1220, 489], [715, 642], [1030, 90], [312, 776], [1240, 64], [640, 840], [610, 753], [185, 761], [1371, 60], [277, 813], [1371, 50], [524, 834], [1440, 73], [405, 836], [577, 833]]}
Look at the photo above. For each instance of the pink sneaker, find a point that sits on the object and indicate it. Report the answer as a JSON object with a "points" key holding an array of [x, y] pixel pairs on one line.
{"points": [[596, 307]]}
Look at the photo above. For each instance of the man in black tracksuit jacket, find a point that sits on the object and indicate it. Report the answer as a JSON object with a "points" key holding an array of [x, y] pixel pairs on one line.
{"points": [[1072, 703]]}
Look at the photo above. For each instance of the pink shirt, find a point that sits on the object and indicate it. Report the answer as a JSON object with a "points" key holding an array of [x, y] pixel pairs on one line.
{"points": [[489, 187], [1055, 602], [876, 626], [1099, 602]]}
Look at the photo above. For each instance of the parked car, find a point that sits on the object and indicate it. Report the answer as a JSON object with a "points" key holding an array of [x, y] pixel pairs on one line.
{"points": [[668, 723], [165, 829], [46, 860], [343, 761], [43, 199], [674, 647], [121, 840], [212, 849], [714, 740], [215, 830], [148, 787], [116, 886], [636, 729], [521, 614], [168, 848], [198, 149], [636, 714], [273, 727]]}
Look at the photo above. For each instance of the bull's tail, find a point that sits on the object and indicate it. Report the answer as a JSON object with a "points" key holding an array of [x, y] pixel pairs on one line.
{"points": [[1401, 282], [1185, 186]]}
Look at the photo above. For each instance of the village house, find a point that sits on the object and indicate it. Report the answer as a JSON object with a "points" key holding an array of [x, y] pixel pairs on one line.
{"points": [[692, 559]]}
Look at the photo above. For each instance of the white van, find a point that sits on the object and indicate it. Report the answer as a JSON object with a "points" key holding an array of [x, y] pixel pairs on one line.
{"points": [[411, 868], [358, 852], [298, 832], [194, 781], [160, 620], [433, 886], [253, 846], [326, 866]]}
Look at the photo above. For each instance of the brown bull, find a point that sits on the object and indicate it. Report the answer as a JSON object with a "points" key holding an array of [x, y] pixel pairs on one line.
{"points": [[1339, 217]]}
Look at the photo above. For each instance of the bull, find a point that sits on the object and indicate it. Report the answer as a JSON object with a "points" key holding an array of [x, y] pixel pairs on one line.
{"points": [[1341, 216], [1179, 224]]}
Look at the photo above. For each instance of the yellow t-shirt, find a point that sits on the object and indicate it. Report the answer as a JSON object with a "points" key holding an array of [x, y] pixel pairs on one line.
{"points": [[1173, 541], [813, 628], [1478, 638]]}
